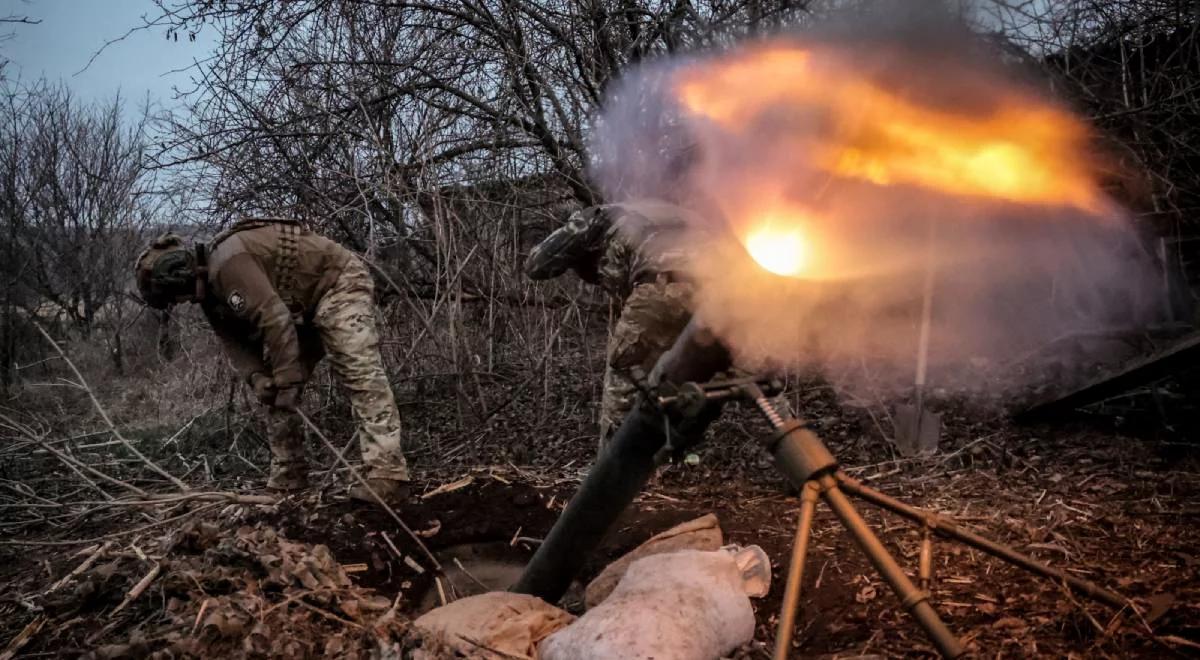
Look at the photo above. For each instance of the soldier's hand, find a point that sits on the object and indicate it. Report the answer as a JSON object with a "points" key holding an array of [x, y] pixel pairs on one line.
{"points": [[288, 398], [264, 388]]}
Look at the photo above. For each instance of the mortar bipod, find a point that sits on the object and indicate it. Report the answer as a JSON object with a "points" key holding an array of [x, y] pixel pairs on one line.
{"points": [[805, 460]]}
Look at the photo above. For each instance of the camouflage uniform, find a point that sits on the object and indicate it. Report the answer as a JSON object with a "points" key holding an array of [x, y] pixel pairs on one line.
{"points": [[345, 318], [635, 252], [280, 298], [651, 319]]}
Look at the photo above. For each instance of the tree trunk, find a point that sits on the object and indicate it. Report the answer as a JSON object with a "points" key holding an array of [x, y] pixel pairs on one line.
{"points": [[8, 343], [168, 347], [118, 354]]}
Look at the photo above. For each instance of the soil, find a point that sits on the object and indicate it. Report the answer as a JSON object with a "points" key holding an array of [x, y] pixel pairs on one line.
{"points": [[1109, 506]]}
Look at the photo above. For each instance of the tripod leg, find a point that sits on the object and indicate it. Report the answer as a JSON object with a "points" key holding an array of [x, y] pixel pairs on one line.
{"points": [[791, 592], [946, 528], [914, 600]]}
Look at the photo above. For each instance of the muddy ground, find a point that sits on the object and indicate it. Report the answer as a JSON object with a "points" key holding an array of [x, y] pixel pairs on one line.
{"points": [[316, 575]]}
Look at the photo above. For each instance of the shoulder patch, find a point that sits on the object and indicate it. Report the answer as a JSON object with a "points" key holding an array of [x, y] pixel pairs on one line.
{"points": [[237, 302]]}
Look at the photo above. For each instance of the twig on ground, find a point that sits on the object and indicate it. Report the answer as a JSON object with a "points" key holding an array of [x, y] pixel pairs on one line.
{"points": [[23, 637], [293, 598], [387, 539], [200, 615], [117, 534], [138, 589], [467, 573], [87, 563], [441, 591], [208, 496], [76, 465], [328, 615], [82, 383], [527, 539], [71, 462], [433, 562]]}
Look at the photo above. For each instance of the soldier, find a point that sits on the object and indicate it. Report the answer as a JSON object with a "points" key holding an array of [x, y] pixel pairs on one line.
{"points": [[635, 252], [280, 297]]}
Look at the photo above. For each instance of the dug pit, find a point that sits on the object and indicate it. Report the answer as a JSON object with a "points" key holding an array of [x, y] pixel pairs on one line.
{"points": [[474, 568]]}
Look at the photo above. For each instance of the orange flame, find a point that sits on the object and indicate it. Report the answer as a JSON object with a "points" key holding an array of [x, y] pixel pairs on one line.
{"points": [[780, 248], [819, 105]]}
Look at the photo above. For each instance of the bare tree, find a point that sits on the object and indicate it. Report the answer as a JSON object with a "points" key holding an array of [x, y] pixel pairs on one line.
{"points": [[350, 109], [1134, 68], [437, 138], [75, 199]]}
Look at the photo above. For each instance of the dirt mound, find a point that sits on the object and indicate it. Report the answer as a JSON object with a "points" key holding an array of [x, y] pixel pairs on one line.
{"points": [[210, 590], [305, 577]]}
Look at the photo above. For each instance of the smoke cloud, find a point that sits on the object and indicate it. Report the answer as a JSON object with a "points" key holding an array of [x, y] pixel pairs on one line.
{"points": [[860, 157]]}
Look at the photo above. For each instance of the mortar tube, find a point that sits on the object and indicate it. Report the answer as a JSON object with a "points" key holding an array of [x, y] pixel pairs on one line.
{"points": [[621, 470]]}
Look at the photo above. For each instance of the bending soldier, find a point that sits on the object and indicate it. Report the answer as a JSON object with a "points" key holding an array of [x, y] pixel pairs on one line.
{"points": [[635, 251], [280, 297]]}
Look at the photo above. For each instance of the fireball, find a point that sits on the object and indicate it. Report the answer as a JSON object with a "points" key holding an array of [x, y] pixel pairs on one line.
{"points": [[1020, 149], [816, 120], [782, 250]]}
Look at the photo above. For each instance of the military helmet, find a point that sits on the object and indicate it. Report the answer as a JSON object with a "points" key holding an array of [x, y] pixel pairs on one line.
{"points": [[165, 271]]}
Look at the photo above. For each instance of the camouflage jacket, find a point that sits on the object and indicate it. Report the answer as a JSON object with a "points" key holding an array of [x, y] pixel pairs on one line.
{"points": [[265, 276], [616, 246]]}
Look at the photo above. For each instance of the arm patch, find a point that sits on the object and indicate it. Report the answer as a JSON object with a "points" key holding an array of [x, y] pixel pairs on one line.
{"points": [[237, 302]]}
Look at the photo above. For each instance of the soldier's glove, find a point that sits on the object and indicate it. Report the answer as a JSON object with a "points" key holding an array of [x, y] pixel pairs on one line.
{"points": [[264, 388], [288, 398]]}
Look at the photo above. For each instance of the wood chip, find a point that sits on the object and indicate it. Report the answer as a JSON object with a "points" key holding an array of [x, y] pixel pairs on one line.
{"points": [[23, 637], [96, 553], [450, 487], [200, 615], [137, 589], [1175, 639]]}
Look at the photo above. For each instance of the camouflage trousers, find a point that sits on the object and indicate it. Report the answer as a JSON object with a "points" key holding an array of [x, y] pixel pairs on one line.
{"points": [[345, 331], [653, 316]]}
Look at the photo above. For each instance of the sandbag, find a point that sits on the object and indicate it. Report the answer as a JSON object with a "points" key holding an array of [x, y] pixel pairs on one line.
{"points": [[496, 624], [703, 533], [686, 605]]}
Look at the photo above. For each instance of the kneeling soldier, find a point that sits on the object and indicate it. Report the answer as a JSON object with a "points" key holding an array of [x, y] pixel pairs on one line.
{"points": [[280, 297]]}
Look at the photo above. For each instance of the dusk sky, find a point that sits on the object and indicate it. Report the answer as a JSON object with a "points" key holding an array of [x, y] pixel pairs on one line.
{"points": [[71, 31]]}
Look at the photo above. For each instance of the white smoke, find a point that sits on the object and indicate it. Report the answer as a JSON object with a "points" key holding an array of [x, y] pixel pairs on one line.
{"points": [[1010, 274]]}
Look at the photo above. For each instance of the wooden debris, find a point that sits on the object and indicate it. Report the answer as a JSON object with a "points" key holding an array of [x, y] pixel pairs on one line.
{"points": [[23, 637], [412, 563], [138, 589], [96, 553], [450, 487]]}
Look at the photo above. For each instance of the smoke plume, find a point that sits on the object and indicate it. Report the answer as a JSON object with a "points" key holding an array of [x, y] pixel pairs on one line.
{"points": [[855, 160]]}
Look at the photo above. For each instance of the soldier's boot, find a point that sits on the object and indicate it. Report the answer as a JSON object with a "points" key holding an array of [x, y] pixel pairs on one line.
{"points": [[391, 491], [287, 477], [289, 468]]}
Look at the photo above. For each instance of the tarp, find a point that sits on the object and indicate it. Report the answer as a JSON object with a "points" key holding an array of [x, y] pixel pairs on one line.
{"points": [[497, 624]]}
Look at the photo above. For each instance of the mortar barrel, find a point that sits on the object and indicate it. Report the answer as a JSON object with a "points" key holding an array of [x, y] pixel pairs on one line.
{"points": [[622, 468]]}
